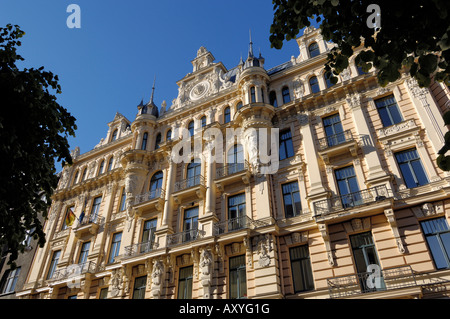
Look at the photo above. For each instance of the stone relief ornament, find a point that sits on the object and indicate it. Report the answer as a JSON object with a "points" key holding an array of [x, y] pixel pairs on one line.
{"points": [[116, 282], [298, 88], [345, 74], [157, 273], [354, 100], [199, 90]]}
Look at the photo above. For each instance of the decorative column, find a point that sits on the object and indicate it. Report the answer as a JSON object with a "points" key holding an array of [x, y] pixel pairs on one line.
{"points": [[367, 142], [312, 165]]}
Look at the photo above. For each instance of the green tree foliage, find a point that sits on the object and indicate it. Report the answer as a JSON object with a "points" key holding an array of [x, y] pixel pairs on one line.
{"points": [[414, 35], [33, 134]]}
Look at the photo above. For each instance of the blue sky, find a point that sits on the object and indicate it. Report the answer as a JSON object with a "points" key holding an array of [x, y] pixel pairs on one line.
{"points": [[108, 65]]}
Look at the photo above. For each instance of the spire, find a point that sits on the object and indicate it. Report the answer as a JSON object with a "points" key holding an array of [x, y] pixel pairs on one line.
{"points": [[153, 90], [250, 50]]}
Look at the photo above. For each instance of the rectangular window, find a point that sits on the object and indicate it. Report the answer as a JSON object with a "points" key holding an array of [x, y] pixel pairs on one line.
{"points": [[365, 254], [238, 278], [139, 287], [84, 252], [115, 247], [236, 212], [348, 186], [10, 280], [388, 110], [291, 199], [411, 168], [301, 269], [333, 130], [190, 224], [103, 293], [95, 209], [123, 200], [437, 234], [185, 283], [148, 236], [286, 145], [53, 263]]}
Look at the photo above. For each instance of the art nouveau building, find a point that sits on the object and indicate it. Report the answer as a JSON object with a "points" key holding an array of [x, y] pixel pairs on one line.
{"points": [[347, 203]]}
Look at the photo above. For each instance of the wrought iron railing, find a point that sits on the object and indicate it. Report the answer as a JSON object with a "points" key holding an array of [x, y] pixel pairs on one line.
{"points": [[189, 182], [233, 224], [366, 196], [334, 140], [139, 249], [75, 270], [231, 169], [91, 219], [154, 194], [367, 282], [184, 237]]}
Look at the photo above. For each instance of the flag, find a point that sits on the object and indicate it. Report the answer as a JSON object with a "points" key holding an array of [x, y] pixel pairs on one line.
{"points": [[70, 218]]}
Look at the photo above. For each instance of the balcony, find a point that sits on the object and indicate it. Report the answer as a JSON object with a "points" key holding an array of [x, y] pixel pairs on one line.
{"points": [[337, 144], [374, 195], [193, 186], [369, 282], [155, 197], [139, 249], [89, 224], [184, 237], [74, 271], [232, 225], [231, 173]]}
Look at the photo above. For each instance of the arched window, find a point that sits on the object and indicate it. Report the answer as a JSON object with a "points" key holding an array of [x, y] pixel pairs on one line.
{"points": [[328, 81], [157, 141], [75, 179], [262, 95], [203, 120], [314, 84], [252, 95], [193, 173], [114, 135], [156, 184], [83, 177], [110, 163], [169, 135], [144, 141], [101, 167], [239, 106], [313, 50], [360, 70], [191, 128], [273, 98], [286, 95], [227, 115]]}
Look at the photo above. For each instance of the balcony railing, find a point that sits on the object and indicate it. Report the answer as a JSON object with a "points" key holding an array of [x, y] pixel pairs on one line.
{"points": [[189, 182], [361, 283], [184, 237], [334, 140], [139, 249], [91, 219], [231, 169], [231, 225], [75, 270], [336, 203], [146, 197]]}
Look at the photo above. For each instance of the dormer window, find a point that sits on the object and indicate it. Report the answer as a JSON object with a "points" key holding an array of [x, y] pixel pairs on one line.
{"points": [[114, 135], [313, 50]]}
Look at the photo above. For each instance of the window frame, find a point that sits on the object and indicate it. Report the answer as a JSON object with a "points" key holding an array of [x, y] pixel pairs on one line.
{"points": [[314, 87], [285, 142], [411, 168], [295, 211], [188, 283], [384, 109], [313, 51], [444, 248], [286, 94], [240, 270], [305, 268], [114, 247], [53, 263]]}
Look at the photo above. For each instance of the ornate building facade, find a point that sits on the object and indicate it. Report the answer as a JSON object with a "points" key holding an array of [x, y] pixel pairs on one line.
{"points": [[345, 201]]}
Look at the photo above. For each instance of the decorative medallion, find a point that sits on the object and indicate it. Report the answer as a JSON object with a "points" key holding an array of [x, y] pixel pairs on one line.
{"points": [[199, 90]]}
